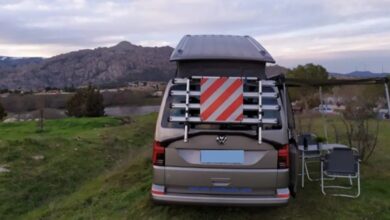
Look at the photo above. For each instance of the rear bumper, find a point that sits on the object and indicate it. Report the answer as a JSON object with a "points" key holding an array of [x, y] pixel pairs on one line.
{"points": [[192, 176], [218, 200]]}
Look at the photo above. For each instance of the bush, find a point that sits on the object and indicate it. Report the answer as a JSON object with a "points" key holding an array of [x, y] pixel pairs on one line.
{"points": [[361, 126], [3, 114], [87, 102]]}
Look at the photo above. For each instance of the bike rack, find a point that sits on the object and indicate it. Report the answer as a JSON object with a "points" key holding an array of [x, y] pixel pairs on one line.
{"points": [[259, 107]]}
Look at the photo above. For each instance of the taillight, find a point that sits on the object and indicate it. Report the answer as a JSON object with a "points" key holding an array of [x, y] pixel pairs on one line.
{"points": [[283, 157], [158, 154]]}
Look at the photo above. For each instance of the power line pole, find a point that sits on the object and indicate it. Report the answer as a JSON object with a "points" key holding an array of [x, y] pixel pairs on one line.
{"points": [[387, 97]]}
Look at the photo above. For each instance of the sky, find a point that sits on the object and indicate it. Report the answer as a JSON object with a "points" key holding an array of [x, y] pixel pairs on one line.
{"points": [[342, 35]]}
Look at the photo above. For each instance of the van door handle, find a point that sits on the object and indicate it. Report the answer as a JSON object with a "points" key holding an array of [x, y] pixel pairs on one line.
{"points": [[220, 181], [220, 184]]}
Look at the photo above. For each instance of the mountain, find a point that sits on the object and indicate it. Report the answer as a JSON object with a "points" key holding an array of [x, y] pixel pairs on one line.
{"points": [[366, 74], [358, 74], [10, 64], [274, 70], [101, 66], [15, 60], [104, 66]]}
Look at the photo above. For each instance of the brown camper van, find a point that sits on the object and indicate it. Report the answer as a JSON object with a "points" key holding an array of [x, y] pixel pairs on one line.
{"points": [[224, 133]]}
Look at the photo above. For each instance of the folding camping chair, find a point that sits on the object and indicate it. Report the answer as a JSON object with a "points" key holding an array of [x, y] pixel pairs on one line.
{"points": [[310, 153], [341, 163]]}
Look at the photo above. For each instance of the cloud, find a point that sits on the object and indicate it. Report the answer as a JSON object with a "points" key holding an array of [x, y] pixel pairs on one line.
{"points": [[153, 43], [291, 30], [33, 50], [346, 36]]}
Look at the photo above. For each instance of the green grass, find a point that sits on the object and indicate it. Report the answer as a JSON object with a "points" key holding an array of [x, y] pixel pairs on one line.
{"points": [[99, 168], [74, 150]]}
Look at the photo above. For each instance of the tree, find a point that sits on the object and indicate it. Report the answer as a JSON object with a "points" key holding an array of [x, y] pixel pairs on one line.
{"points": [[87, 102], [308, 95], [308, 71], [69, 88], [3, 114]]}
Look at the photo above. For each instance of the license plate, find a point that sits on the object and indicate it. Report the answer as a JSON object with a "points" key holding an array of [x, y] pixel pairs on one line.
{"points": [[222, 156]]}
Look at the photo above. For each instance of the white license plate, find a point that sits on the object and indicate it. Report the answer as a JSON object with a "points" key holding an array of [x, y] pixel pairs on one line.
{"points": [[222, 156]]}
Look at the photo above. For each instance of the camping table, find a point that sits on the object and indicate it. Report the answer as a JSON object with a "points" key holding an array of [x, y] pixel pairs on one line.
{"points": [[313, 152]]}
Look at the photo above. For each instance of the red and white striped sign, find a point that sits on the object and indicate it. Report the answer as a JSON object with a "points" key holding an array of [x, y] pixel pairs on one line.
{"points": [[221, 99]]}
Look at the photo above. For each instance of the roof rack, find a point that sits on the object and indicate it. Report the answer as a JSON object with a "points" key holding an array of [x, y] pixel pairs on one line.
{"points": [[199, 80]]}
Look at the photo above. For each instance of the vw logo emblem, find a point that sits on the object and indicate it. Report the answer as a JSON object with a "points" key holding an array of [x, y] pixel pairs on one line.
{"points": [[221, 139]]}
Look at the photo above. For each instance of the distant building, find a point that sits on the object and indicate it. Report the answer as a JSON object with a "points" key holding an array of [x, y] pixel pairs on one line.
{"points": [[157, 94], [383, 114], [4, 95], [296, 107]]}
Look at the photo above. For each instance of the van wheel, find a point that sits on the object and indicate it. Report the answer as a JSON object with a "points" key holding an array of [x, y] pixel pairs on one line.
{"points": [[294, 163]]}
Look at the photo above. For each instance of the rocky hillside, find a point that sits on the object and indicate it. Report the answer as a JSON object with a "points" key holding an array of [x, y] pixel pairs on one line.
{"points": [[359, 74], [274, 70], [102, 66], [10, 65]]}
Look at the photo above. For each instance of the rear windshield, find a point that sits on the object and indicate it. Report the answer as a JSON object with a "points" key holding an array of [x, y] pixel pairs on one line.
{"points": [[168, 111]]}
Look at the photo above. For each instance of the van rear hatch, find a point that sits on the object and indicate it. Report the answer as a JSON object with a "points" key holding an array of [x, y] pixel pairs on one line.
{"points": [[225, 160], [203, 165]]}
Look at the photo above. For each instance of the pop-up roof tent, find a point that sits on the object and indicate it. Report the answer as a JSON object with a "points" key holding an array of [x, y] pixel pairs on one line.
{"points": [[220, 55]]}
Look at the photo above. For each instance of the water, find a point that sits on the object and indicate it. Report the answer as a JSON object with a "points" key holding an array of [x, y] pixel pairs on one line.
{"points": [[109, 111], [131, 110]]}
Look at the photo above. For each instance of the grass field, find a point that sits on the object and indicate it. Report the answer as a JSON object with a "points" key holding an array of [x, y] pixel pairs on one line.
{"points": [[100, 168]]}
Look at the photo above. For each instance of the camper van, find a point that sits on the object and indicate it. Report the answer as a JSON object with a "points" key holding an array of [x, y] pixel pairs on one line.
{"points": [[225, 132]]}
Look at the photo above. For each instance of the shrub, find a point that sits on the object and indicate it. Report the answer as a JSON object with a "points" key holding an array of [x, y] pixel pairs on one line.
{"points": [[3, 114], [320, 139], [361, 126], [87, 102]]}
